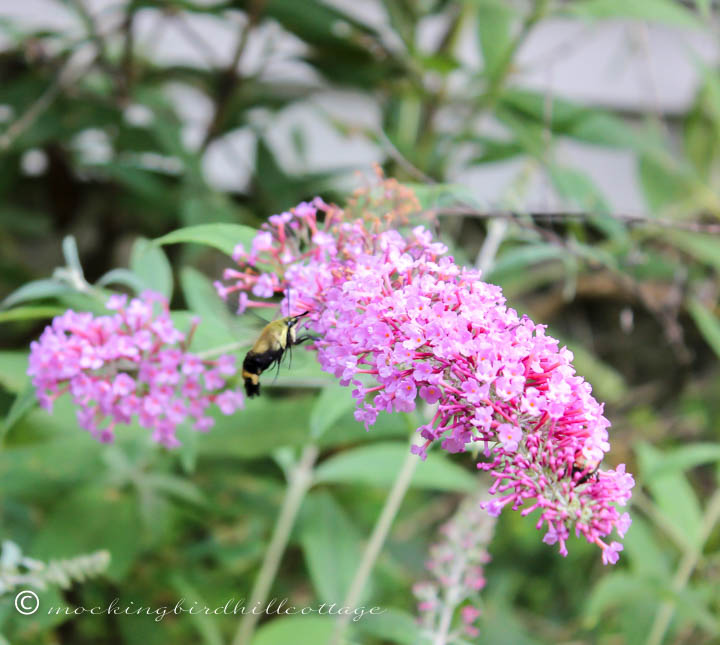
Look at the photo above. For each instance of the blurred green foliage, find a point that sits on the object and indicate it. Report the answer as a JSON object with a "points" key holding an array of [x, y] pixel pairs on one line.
{"points": [[635, 298]]}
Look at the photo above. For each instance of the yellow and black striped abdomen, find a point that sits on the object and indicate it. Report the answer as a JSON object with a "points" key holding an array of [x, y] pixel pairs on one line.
{"points": [[267, 350]]}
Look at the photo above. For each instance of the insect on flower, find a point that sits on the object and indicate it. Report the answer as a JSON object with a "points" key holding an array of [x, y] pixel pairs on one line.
{"points": [[393, 305], [269, 348], [585, 467]]}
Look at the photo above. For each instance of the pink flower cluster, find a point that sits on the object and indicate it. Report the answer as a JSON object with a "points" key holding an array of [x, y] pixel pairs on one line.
{"points": [[456, 564], [131, 363], [402, 323]]}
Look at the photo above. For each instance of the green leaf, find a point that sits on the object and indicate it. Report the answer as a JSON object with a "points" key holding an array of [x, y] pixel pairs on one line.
{"points": [[529, 134], [494, 21], [93, 302], [248, 433], [304, 372], [601, 128], [575, 186], [711, 91], [704, 7], [531, 105], [35, 290], [614, 590], [124, 277], [434, 196], [707, 322], [698, 608], [590, 125], [148, 188], [332, 546], [29, 460], [647, 558], [703, 247], [663, 182], [344, 58], [676, 498], [174, 486], [682, 458], [579, 189], [378, 465], [220, 236], [501, 623], [23, 403], [334, 401], [199, 208], [202, 298], [672, 492], [206, 624], [348, 431], [209, 334], [13, 369], [607, 383], [392, 625], [664, 11], [701, 143], [521, 258], [30, 313], [495, 150], [188, 450], [218, 326], [149, 263], [108, 518], [295, 629]]}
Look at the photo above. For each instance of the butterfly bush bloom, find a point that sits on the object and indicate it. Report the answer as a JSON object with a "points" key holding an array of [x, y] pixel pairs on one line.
{"points": [[456, 564], [131, 363], [400, 322]]}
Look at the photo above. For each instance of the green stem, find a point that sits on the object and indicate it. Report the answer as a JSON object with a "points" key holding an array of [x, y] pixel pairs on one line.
{"points": [[687, 565], [645, 504], [494, 238], [497, 82], [299, 481], [374, 545]]}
